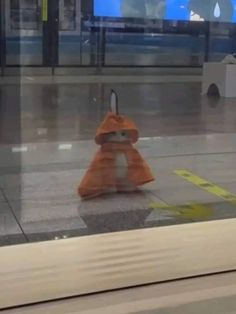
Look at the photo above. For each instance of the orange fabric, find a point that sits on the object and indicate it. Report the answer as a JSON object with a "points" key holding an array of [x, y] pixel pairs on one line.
{"points": [[101, 175], [114, 123]]}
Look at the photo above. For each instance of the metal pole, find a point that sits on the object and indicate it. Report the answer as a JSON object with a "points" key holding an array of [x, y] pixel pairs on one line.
{"points": [[207, 42], [81, 41], [2, 37], [54, 23], [100, 50]]}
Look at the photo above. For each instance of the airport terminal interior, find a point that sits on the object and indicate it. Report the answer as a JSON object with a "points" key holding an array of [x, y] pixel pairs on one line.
{"points": [[63, 63]]}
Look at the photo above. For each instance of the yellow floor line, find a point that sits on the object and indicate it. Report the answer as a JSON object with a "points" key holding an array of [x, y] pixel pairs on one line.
{"points": [[188, 211], [206, 185]]}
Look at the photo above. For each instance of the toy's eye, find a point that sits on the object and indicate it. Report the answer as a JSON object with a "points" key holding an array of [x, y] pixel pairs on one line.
{"points": [[123, 133]]}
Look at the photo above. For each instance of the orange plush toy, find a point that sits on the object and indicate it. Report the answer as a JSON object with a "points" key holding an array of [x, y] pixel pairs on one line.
{"points": [[117, 166]]}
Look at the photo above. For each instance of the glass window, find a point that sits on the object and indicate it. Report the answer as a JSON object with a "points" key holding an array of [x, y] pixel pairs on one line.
{"points": [[67, 15], [58, 122], [117, 134], [24, 14], [153, 48]]}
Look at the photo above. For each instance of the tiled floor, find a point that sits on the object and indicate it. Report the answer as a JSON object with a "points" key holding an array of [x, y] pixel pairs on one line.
{"points": [[47, 144], [65, 112]]}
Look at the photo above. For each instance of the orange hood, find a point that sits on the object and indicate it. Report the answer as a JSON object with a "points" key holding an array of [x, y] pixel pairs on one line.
{"points": [[114, 123]]}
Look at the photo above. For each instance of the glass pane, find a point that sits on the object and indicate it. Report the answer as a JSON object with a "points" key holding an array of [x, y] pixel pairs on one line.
{"points": [[163, 113], [154, 49], [23, 32], [116, 116], [74, 38], [222, 41], [139, 135]]}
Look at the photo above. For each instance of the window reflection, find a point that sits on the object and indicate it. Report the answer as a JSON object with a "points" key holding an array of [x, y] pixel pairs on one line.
{"points": [[24, 14], [155, 66]]}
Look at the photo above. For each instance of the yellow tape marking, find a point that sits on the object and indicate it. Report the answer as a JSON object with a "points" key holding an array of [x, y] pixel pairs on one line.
{"points": [[189, 211], [207, 185], [196, 211], [44, 10]]}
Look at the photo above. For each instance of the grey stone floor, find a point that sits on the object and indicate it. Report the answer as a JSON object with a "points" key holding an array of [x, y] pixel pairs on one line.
{"points": [[47, 144], [41, 202], [71, 112]]}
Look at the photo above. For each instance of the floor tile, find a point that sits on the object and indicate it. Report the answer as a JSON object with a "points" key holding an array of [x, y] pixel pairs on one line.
{"points": [[178, 130], [10, 232]]}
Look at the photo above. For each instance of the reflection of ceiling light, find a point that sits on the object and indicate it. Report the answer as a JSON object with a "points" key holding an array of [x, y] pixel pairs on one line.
{"points": [[19, 149], [210, 137], [65, 146], [56, 238], [150, 138], [42, 131]]}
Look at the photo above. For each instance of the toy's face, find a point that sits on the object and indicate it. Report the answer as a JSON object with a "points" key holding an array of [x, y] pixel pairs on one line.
{"points": [[119, 137]]}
